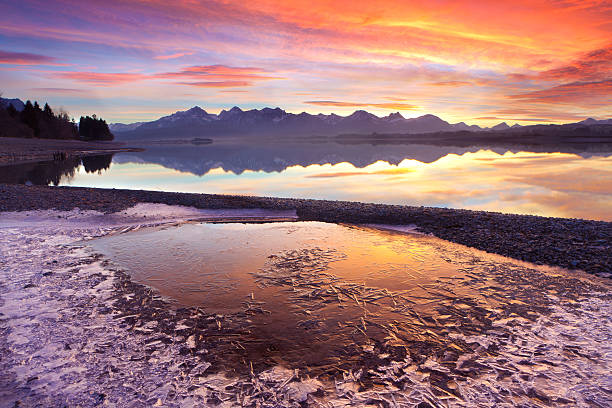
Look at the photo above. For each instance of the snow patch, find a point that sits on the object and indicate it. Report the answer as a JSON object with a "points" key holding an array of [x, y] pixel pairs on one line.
{"points": [[142, 213]]}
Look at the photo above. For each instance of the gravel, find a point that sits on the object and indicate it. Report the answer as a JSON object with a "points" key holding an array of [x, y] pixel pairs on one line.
{"points": [[569, 243]]}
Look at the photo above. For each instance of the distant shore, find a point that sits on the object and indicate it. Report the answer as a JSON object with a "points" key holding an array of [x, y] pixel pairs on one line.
{"points": [[16, 150], [568, 243]]}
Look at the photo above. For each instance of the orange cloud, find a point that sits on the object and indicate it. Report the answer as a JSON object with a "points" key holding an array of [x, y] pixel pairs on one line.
{"points": [[598, 93], [536, 114], [396, 106], [594, 65], [451, 83], [218, 84]]}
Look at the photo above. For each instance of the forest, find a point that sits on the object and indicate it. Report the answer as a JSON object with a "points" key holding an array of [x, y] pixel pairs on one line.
{"points": [[43, 123]]}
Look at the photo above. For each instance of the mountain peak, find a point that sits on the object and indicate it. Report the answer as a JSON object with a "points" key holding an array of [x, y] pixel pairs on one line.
{"points": [[361, 114], [395, 116], [428, 118], [501, 126], [233, 112], [196, 109]]}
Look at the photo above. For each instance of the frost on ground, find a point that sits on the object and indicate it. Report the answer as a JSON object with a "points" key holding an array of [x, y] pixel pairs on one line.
{"points": [[76, 332]]}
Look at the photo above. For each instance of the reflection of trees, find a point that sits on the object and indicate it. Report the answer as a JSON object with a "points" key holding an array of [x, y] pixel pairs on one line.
{"points": [[93, 164], [52, 172]]}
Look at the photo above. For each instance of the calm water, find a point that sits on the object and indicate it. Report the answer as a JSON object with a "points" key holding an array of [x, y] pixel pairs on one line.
{"points": [[568, 182]]}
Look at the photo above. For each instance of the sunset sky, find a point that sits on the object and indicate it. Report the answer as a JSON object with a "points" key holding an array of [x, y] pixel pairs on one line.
{"points": [[481, 62]]}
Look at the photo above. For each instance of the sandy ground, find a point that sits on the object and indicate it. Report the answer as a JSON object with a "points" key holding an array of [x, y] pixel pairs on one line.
{"points": [[15, 150], [64, 339]]}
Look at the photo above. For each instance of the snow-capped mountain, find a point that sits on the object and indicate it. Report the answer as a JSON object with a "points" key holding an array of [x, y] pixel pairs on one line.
{"points": [[122, 127], [193, 116], [16, 102], [197, 122]]}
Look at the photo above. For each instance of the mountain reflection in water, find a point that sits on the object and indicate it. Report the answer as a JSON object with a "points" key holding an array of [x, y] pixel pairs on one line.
{"points": [[528, 179]]}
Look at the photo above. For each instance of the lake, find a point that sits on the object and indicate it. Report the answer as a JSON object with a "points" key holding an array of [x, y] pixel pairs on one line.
{"points": [[562, 181]]}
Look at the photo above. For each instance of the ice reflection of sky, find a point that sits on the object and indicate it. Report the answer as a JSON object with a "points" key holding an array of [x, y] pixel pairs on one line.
{"points": [[328, 299], [550, 184]]}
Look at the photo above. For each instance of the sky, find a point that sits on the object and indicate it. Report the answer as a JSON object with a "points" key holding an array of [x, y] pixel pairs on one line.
{"points": [[481, 62]]}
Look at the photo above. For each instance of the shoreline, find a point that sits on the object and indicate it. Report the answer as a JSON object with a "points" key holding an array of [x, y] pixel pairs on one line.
{"points": [[569, 243], [19, 151]]}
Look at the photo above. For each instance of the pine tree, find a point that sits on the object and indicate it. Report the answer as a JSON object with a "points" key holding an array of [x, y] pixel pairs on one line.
{"points": [[28, 117], [48, 111]]}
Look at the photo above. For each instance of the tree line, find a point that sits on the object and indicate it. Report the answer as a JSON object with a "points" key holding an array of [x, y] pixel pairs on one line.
{"points": [[43, 123]]}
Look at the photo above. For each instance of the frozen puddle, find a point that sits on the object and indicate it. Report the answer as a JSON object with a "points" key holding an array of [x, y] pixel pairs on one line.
{"points": [[181, 313], [436, 320]]}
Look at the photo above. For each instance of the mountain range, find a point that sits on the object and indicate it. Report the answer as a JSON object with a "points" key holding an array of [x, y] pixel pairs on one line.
{"points": [[196, 122], [267, 121]]}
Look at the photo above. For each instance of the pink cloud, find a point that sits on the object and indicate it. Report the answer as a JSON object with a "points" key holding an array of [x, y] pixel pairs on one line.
{"points": [[24, 58], [219, 76], [203, 76], [219, 72], [59, 90], [172, 56], [101, 78], [218, 84]]}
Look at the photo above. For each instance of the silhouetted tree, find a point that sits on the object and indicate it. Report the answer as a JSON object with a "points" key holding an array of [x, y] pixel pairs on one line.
{"points": [[92, 128], [28, 118], [48, 111], [33, 121]]}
